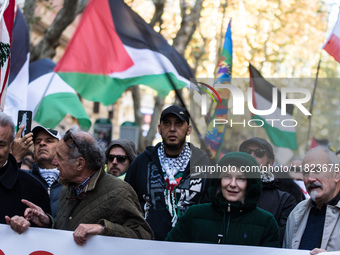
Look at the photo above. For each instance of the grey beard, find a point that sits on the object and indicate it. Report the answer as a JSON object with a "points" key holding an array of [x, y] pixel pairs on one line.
{"points": [[313, 194]]}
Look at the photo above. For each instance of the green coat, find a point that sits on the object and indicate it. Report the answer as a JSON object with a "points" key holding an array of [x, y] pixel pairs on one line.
{"points": [[229, 223], [108, 201]]}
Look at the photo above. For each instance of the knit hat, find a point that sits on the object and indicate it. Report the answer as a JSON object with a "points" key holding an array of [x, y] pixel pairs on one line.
{"points": [[127, 145], [241, 159], [260, 142]]}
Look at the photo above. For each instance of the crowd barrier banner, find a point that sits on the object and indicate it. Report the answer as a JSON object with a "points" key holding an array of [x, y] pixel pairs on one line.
{"points": [[41, 241]]}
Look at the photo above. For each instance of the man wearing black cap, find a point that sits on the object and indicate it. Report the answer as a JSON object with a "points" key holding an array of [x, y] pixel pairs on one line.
{"points": [[119, 155], [45, 142], [161, 174], [273, 200]]}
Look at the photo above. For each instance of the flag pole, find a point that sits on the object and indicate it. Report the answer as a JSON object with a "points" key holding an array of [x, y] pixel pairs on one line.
{"points": [[312, 103]]}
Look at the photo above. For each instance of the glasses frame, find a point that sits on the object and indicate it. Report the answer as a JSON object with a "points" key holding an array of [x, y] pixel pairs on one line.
{"points": [[256, 152], [68, 135], [120, 158]]}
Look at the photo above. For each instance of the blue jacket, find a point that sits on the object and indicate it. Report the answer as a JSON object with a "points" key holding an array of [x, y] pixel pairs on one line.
{"points": [[54, 191]]}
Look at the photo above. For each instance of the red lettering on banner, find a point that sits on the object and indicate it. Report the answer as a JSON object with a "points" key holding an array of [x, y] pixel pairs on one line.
{"points": [[40, 253]]}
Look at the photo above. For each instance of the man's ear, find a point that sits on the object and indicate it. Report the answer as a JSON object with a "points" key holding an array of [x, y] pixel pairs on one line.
{"points": [[159, 129], [81, 163], [336, 176], [189, 129], [271, 161]]}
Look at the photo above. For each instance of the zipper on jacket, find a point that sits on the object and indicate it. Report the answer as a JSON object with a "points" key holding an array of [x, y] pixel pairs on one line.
{"points": [[222, 238], [228, 223]]}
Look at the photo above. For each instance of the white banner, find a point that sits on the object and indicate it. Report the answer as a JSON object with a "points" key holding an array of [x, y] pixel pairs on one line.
{"points": [[40, 241]]}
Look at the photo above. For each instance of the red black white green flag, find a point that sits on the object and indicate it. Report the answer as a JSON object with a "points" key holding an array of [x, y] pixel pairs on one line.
{"points": [[113, 48], [6, 25], [279, 135]]}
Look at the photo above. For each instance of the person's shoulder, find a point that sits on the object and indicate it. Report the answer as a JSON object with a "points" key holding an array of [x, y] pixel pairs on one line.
{"points": [[28, 178], [199, 209], [199, 154], [114, 183], [264, 216]]}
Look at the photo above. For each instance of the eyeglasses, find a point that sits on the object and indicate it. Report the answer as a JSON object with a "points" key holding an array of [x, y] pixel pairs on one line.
{"points": [[259, 153], [68, 135], [120, 158]]}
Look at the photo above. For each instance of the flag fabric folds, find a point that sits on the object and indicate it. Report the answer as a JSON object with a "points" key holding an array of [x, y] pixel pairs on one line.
{"points": [[37, 87], [279, 135], [6, 26], [113, 48], [50, 98], [225, 65], [16, 98], [332, 46], [215, 135]]}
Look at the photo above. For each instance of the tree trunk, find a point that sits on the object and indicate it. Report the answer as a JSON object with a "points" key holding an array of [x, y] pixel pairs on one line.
{"points": [[138, 115], [159, 103], [29, 8], [46, 48]]}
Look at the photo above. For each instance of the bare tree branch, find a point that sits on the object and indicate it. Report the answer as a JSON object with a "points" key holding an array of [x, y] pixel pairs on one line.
{"points": [[159, 10], [46, 48], [188, 26], [29, 8]]}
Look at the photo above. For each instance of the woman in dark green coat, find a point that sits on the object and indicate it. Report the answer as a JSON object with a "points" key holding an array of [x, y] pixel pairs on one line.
{"points": [[232, 217]]}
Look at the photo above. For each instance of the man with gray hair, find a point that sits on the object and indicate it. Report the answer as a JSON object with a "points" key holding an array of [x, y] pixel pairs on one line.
{"points": [[314, 224], [16, 184], [119, 155], [92, 202]]}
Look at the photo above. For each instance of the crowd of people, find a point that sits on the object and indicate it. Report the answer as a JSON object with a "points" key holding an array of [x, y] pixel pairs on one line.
{"points": [[72, 183]]}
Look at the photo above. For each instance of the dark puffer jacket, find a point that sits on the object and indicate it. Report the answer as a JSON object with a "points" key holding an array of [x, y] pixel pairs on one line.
{"points": [[225, 222]]}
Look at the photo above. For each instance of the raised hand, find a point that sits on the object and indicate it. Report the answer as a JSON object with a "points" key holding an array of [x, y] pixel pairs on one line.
{"points": [[21, 145], [35, 214]]}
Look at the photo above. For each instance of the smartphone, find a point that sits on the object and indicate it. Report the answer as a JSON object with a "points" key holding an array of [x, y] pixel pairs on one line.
{"points": [[24, 118]]}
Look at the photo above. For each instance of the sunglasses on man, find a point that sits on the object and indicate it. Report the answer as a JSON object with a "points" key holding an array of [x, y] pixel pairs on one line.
{"points": [[259, 153], [120, 158]]}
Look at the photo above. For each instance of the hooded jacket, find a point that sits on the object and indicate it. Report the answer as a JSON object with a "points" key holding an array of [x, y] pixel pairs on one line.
{"points": [[146, 177], [221, 221]]}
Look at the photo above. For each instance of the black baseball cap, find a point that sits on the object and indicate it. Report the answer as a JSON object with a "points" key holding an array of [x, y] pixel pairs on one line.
{"points": [[260, 142], [178, 111], [37, 129]]}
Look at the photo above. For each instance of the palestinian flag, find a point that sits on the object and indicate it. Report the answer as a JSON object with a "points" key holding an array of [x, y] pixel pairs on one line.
{"points": [[16, 98], [332, 46], [279, 135], [113, 48], [50, 98], [6, 26]]}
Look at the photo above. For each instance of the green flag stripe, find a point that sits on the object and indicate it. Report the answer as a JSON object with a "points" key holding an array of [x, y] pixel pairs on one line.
{"points": [[278, 137], [102, 88], [54, 107]]}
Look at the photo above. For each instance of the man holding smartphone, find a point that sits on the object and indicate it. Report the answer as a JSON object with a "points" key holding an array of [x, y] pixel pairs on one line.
{"points": [[16, 184]]}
